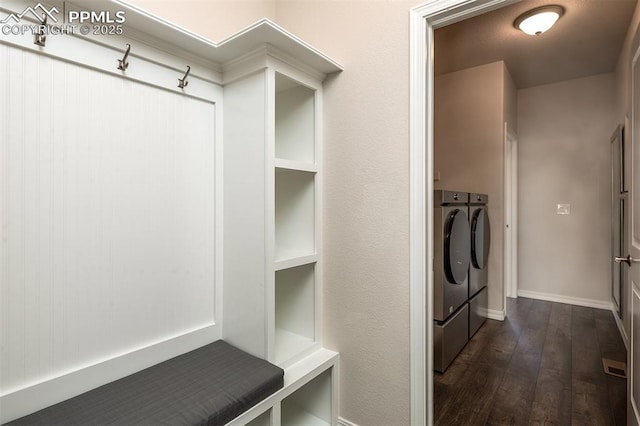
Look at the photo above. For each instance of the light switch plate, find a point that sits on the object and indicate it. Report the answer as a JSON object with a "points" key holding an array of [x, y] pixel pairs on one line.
{"points": [[564, 209]]}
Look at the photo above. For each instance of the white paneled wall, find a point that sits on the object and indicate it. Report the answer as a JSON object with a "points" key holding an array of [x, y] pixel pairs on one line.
{"points": [[107, 210]]}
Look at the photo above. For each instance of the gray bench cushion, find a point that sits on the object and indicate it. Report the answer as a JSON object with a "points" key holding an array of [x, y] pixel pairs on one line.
{"points": [[208, 386]]}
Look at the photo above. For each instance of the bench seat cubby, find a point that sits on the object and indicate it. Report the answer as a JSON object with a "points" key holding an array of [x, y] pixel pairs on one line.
{"points": [[216, 384], [207, 386]]}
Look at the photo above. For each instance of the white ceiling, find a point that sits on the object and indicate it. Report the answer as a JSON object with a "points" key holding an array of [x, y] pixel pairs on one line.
{"points": [[585, 41]]}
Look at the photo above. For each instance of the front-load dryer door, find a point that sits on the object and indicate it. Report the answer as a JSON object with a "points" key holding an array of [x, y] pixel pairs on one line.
{"points": [[456, 247], [480, 238]]}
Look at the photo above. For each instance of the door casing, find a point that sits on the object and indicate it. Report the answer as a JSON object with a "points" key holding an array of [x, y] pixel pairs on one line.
{"points": [[424, 19]]}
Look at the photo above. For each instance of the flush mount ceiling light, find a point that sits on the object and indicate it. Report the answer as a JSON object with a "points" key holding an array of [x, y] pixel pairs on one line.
{"points": [[539, 20]]}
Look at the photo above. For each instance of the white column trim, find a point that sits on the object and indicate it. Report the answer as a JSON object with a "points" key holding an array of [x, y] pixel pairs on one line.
{"points": [[421, 276]]}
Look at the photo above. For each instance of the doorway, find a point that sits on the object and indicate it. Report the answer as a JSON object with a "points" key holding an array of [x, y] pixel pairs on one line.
{"points": [[424, 20]]}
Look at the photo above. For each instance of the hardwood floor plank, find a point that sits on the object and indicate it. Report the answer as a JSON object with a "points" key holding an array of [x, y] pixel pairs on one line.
{"points": [[612, 347], [517, 391], [472, 406], [552, 401], [609, 339], [617, 390], [542, 365], [590, 406], [556, 354], [586, 359], [512, 404]]}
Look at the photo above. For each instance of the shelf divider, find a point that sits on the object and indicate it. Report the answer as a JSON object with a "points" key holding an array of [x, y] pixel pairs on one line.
{"points": [[295, 261], [301, 166]]}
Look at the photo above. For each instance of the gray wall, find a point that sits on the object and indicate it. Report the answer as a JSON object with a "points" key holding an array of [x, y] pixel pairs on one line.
{"points": [[212, 19], [564, 131], [471, 107]]}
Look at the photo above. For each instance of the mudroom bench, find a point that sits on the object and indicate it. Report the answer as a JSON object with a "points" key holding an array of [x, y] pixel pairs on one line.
{"points": [[211, 385], [225, 243]]}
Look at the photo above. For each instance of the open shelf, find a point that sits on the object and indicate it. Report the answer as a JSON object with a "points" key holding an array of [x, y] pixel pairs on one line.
{"points": [[262, 420], [295, 214], [310, 405], [295, 165], [295, 121], [295, 261], [294, 311]]}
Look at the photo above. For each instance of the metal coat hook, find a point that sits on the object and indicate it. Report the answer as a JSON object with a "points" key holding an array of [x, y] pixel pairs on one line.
{"points": [[122, 63], [182, 82], [40, 38]]}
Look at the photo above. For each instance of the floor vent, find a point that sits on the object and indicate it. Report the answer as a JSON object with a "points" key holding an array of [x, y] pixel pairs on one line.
{"points": [[615, 368]]}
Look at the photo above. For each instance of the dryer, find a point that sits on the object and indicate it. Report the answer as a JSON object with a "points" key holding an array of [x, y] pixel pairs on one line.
{"points": [[478, 265], [452, 254]]}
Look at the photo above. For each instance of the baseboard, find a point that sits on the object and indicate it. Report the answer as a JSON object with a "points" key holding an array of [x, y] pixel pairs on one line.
{"points": [[33, 397], [345, 422], [495, 314], [569, 300]]}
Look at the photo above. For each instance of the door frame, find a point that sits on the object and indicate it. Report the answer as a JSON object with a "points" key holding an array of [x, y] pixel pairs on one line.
{"points": [[510, 215], [424, 19]]}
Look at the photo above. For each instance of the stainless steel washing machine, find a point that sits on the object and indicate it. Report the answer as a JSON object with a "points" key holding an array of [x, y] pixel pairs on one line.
{"points": [[478, 267], [452, 253]]}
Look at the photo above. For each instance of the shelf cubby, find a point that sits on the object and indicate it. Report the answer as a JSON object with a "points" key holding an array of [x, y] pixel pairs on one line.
{"points": [[294, 311], [310, 405], [294, 214], [294, 121], [262, 420]]}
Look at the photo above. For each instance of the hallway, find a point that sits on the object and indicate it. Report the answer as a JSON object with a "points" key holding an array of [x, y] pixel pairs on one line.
{"points": [[542, 365]]}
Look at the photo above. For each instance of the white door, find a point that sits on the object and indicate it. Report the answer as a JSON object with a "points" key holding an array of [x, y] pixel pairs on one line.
{"points": [[633, 257]]}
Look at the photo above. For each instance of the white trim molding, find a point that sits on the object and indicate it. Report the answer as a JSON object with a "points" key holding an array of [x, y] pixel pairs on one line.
{"points": [[420, 222], [495, 314], [569, 300]]}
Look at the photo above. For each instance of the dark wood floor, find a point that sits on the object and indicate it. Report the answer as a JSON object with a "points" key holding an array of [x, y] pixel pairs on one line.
{"points": [[542, 365]]}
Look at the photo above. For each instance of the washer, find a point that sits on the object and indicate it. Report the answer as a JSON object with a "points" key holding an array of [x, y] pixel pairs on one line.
{"points": [[478, 266], [451, 252], [452, 255]]}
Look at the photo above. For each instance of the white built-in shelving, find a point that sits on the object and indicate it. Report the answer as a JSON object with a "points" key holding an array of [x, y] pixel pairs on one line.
{"points": [[251, 120], [273, 229], [297, 218], [310, 405], [273, 216]]}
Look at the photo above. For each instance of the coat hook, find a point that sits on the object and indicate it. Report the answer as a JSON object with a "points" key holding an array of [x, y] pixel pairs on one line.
{"points": [[122, 63], [182, 82], [39, 37]]}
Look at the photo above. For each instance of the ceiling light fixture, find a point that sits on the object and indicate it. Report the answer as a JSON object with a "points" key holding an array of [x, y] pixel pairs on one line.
{"points": [[539, 20]]}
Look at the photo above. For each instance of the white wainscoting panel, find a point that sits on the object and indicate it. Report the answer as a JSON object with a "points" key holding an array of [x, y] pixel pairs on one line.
{"points": [[107, 210]]}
